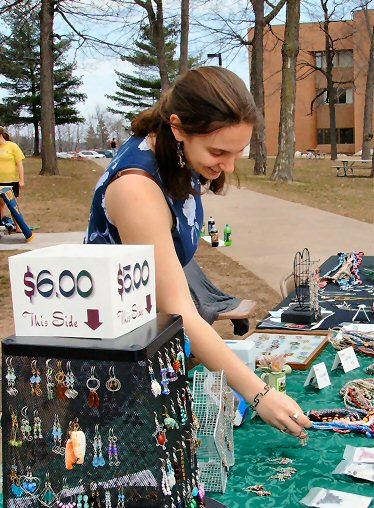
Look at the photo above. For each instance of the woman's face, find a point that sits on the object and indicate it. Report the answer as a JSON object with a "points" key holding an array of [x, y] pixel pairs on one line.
{"points": [[210, 154]]}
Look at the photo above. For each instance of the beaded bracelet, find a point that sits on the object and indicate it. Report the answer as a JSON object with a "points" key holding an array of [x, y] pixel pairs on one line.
{"points": [[259, 396]]}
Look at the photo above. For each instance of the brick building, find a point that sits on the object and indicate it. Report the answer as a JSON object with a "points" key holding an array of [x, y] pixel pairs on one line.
{"points": [[350, 64]]}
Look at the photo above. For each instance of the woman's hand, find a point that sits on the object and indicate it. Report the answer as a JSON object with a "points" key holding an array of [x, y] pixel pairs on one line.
{"points": [[21, 183], [280, 411]]}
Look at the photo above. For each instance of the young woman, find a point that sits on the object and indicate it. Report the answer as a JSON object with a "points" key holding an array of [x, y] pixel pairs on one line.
{"points": [[11, 167], [151, 194]]}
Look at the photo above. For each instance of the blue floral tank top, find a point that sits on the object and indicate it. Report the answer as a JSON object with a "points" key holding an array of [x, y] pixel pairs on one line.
{"points": [[188, 213]]}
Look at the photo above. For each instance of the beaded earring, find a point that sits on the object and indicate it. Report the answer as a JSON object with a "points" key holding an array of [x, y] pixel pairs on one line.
{"points": [[183, 466], [95, 501], [98, 459], [170, 472], [155, 385], [112, 449], [29, 483], [57, 437], [170, 423], [15, 481], [182, 412], [113, 384], [37, 428], [191, 503], [14, 438], [121, 498], [180, 357], [35, 379], [176, 362], [170, 372], [180, 155], [49, 374], [47, 497], [164, 380], [82, 501], [164, 482], [61, 386], [159, 434], [108, 499], [64, 493], [25, 425], [11, 378], [93, 384], [69, 382], [177, 471]]}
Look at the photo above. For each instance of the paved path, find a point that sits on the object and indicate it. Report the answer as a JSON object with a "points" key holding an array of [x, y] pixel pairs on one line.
{"points": [[267, 232]]}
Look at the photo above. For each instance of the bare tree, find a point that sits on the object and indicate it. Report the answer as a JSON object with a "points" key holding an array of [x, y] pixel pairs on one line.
{"points": [[47, 118], [185, 29], [284, 163]]}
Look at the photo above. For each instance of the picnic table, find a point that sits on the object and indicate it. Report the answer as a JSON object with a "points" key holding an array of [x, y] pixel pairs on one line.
{"points": [[349, 164]]}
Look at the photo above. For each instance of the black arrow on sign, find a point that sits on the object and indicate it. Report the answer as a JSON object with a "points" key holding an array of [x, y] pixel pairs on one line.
{"points": [[93, 319]]}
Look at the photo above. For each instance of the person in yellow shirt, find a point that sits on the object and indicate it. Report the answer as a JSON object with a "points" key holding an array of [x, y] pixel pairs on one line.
{"points": [[11, 167]]}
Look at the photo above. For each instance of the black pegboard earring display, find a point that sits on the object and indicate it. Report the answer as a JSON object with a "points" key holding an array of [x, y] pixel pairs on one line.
{"points": [[99, 424]]}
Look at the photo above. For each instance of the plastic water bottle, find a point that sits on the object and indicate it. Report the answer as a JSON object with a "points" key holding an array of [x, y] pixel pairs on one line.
{"points": [[202, 232], [227, 235], [214, 236], [210, 224]]}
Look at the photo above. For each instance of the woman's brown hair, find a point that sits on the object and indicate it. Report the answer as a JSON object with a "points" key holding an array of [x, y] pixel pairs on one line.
{"points": [[4, 133], [205, 99]]}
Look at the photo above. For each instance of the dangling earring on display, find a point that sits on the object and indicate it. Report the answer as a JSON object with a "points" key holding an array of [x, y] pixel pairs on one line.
{"points": [[180, 155]]}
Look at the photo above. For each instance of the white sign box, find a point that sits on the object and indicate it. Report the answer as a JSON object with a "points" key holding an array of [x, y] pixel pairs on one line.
{"points": [[93, 291]]}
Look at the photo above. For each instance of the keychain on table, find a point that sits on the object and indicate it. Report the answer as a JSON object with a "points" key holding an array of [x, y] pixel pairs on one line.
{"points": [[60, 378], [69, 382], [25, 425], [155, 385], [37, 427], [93, 384], [164, 380], [113, 384], [11, 378], [49, 374], [181, 357], [170, 372], [159, 434], [35, 379]]}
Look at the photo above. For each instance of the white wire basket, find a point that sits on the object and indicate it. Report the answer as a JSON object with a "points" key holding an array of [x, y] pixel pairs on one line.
{"points": [[213, 403]]}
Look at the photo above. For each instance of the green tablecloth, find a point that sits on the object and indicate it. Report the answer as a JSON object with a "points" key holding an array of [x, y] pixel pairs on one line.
{"points": [[255, 442]]}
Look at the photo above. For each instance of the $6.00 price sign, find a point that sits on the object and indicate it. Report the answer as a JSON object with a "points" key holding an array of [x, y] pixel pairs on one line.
{"points": [[67, 286]]}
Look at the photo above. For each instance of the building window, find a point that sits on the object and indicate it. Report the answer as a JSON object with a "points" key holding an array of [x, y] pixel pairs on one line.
{"points": [[341, 59], [343, 136], [344, 96]]}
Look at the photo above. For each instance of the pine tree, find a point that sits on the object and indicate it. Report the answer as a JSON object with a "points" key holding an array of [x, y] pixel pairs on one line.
{"points": [[20, 66], [141, 91], [91, 137]]}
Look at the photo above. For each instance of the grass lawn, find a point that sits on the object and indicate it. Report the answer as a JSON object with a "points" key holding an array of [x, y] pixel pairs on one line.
{"points": [[315, 184]]}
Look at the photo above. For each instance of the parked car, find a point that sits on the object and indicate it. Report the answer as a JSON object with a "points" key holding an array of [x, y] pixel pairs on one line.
{"points": [[107, 153], [65, 155], [90, 154]]}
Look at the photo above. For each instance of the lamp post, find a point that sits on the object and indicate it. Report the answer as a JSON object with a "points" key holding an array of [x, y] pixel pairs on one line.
{"points": [[216, 55]]}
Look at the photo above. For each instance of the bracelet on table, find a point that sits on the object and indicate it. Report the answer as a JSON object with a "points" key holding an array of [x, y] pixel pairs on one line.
{"points": [[259, 396]]}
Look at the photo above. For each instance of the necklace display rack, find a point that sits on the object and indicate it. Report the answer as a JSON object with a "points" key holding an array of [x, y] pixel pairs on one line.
{"points": [[84, 421]]}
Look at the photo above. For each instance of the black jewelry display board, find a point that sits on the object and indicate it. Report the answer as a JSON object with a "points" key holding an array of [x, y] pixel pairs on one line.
{"points": [[34, 466], [339, 315]]}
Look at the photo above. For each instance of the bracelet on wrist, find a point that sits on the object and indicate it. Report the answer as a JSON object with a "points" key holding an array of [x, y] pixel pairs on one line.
{"points": [[259, 396]]}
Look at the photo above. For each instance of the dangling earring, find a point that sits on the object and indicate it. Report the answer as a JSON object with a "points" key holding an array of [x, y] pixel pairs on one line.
{"points": [[180, 156]]}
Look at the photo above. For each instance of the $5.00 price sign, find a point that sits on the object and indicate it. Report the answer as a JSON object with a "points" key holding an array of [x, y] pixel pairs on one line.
{"points": [[130, 278]]}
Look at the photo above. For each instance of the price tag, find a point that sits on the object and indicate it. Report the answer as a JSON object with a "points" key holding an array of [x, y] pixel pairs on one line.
{"points": [[318, 376], [347, 359]]}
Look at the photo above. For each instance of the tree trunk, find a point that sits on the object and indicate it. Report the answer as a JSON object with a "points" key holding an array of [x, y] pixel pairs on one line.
{"points": [[47, 112], [258, 139], [368, 109], [331, 90], [185, 27], [284, 162], [36, 150], [156, 22]]}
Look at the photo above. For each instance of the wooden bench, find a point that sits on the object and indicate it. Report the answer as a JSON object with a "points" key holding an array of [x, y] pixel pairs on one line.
{"points": [[343, 170]]}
